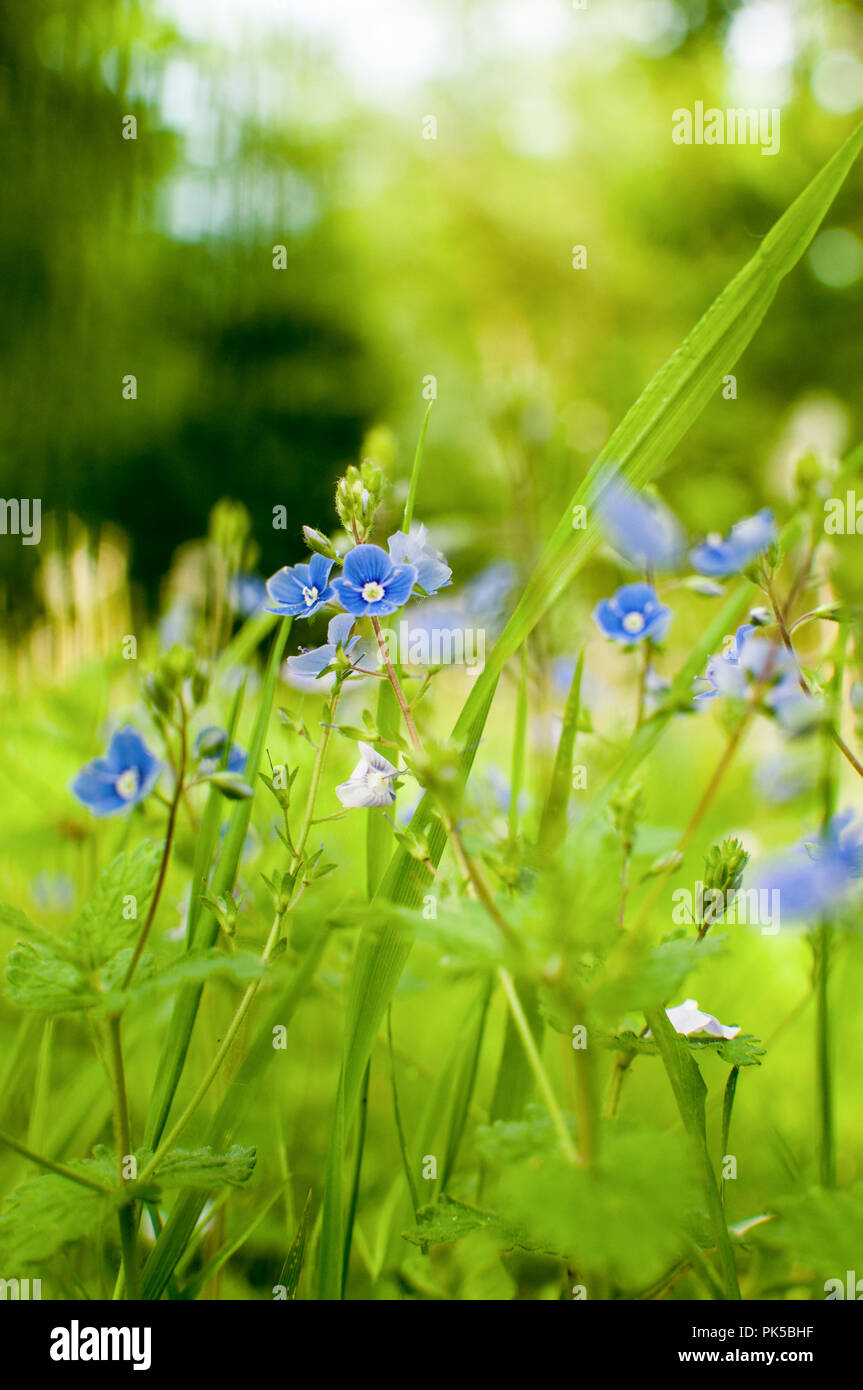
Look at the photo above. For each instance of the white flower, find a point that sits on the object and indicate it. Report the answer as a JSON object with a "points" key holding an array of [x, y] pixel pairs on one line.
{"points": [[370, 783], [687, 1018]]}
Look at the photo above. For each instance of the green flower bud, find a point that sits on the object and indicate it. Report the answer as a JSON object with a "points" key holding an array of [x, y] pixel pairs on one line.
{"points": [[724, 865], [317, 541]]}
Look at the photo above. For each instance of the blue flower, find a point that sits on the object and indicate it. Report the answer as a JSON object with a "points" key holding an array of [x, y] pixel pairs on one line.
{"points": [[433, 572], [370, 783], [632, 614], [209, 747], [754, 661], [641, 530], [315, 661], [372, 586], [817, 876], [246, 594], [303, 590], [746, 540], [123, 777]]}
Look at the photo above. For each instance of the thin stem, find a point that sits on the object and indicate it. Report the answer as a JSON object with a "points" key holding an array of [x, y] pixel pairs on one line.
{"points": [[126, 1214], [271, 943], [826, 1127], [50, 1166], [394, 682], [166, 854], [529, 1044]]}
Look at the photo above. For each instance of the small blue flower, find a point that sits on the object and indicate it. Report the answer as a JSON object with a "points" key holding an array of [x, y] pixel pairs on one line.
{"points": [[633, 614], [718, 557], [754, 661], [123, 777], [246, 594], [641, 530], [433, 572], [371, 782], [209, 747], [372, 586], [816, 877], [315, 661], [303, 590]]}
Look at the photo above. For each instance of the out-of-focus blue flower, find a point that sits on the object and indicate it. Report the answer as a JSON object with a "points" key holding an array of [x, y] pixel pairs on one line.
{"points": [[371, 585], [246, 594], [485, 597], [303, 590], [817, 876], [123, 777], [755, 660], [718, 557], [209, 748], [370, 783], [53, 892], [317, 659], [725, 675], [640, 529], [177, 625], [633, 614], [433, 572]]}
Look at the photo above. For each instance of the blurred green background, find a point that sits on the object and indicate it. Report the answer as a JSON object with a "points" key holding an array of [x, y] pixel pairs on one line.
{"points": [[306, 125]]}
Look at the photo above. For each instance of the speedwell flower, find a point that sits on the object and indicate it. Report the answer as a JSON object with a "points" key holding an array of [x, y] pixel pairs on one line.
{"points": [[747, 539], [632, 614], [123, 777], [370, 783], [371, 585], [754, 661], [317, 659], [433, 572], [640, 529], [818, 874], [209, 747], [687, 1018], [303, 590]]}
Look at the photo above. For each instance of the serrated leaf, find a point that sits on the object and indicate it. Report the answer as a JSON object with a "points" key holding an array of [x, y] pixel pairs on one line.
{"points": [[445, 1220], [105, 925], [49, 1211], [204, 1168]]}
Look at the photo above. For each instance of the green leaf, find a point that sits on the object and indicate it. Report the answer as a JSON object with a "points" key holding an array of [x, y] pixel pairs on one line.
{"points": [[553, 824], [125, 887], [38, 979], [204, 1168], [445, 1220], [203, 926], [822, 1230], [636, 451], [48, 1212]]}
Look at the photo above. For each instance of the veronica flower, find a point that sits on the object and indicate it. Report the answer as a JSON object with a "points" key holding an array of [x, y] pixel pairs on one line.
{"points": [[209, 747], [371, 585], [123, 777], [303, 590], [370, 783], [246, 594], [817, 875], [433, 572], [718, 557], [641, 530], [633, 614], [314, 662], [753, 661], [687, 1018]]}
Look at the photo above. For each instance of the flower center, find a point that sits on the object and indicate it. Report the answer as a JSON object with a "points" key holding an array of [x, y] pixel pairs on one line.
{"points": [[127, 783], [633, 622], [715, 538], [310, 596], [372, 592]]}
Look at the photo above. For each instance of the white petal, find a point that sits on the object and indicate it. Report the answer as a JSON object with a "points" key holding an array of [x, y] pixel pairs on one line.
{"points": [[375, 760]]}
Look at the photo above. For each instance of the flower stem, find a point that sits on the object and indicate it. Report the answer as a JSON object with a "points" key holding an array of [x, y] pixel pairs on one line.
{"points": [[126, 1214], [166, 854], [535, 1061], [50, 1166]]}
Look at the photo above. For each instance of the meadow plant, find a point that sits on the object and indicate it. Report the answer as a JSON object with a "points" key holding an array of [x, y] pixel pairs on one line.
{"points": [[564, 1136]]}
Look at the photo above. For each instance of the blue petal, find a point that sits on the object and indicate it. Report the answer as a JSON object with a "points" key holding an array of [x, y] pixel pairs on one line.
{"points": [[319, 571], [367, 564], [127, 749]]}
